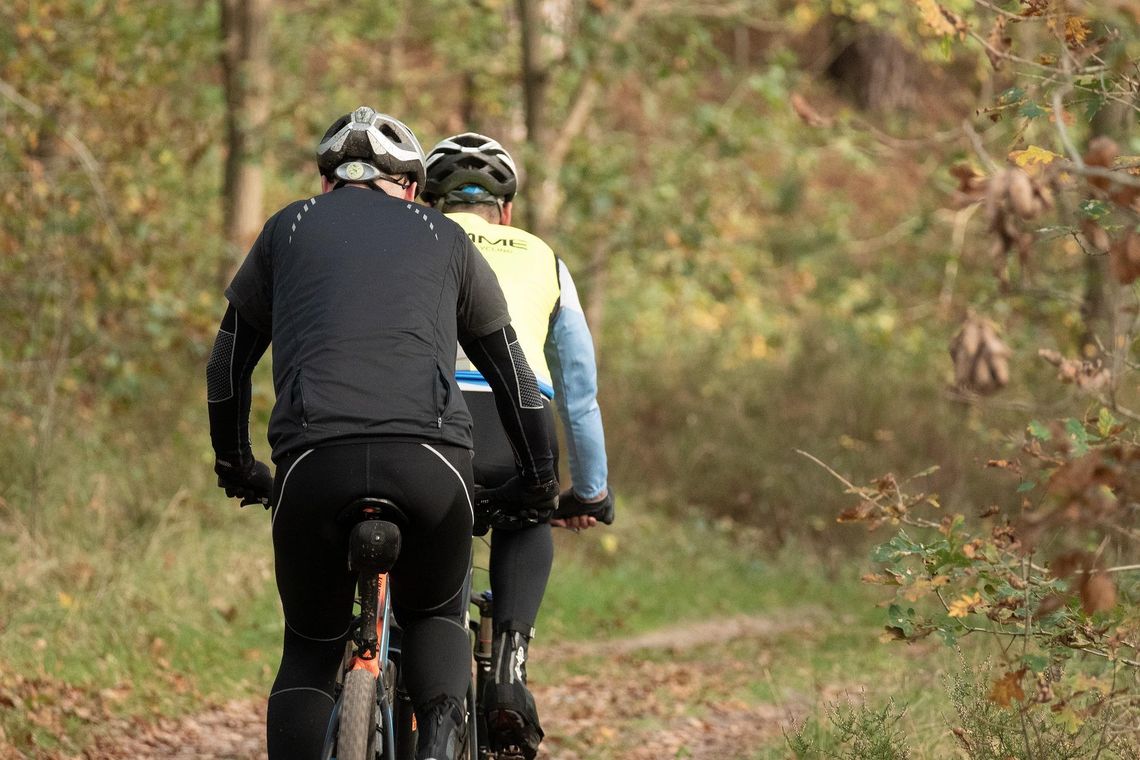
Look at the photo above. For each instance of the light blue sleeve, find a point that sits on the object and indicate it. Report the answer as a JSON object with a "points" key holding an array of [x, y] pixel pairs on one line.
{"points": [[570, 355]]}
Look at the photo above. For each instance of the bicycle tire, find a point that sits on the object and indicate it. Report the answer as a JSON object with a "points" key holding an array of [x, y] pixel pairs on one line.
{"points": [[356, 734]]}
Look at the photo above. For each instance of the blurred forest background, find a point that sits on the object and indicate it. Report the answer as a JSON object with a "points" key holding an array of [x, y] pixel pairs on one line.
{"points": [[782, 216]]}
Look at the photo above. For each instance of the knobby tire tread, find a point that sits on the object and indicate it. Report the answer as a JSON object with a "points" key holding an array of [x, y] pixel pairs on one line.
{"points": [[357, 729]]}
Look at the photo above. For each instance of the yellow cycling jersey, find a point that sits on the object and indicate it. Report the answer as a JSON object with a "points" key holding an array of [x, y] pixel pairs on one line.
{"points": [[528, 274]]}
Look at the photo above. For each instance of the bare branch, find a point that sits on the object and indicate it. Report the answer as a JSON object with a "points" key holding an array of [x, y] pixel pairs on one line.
{"points": [[1007, 14], [889, 238], [583, 102], [852, 487], [979, 147], [1062, 130], [1120, 569], [1006, 55]]}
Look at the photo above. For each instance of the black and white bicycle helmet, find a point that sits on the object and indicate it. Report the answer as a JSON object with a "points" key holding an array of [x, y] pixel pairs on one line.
{"points": [[470, 159], [365, 145]]}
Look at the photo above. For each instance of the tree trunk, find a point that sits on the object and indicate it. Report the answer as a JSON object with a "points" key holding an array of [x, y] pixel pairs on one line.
{"points": [[873, 68], [469, 104], [245, 64], [534, 86]]}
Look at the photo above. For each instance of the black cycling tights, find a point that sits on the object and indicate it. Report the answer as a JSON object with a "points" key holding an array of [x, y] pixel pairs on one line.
{"points": [[520, 560], [432, 485]]}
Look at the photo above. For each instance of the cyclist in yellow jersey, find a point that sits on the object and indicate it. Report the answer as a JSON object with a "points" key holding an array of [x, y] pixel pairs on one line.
{"points": [[472, 179]]}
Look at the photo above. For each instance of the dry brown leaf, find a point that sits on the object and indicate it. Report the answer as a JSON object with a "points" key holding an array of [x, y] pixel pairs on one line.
{"points": [[1124, 258], [1095, 235], [1102, 152], [1022, 196], [856, 513], [999, 43], [971, 185], [1008, 688], [1089, 376], [981, 359], [1076, 31], [1098, 593], [808, 115], [1126, 196]]}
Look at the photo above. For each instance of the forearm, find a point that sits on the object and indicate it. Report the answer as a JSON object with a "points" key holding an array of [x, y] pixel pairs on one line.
{"points": [[237, 349], [570, 356], [502, 363]]}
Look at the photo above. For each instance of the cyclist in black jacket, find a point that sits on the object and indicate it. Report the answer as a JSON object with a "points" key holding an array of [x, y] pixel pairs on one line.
{"points": [[363, 295]]}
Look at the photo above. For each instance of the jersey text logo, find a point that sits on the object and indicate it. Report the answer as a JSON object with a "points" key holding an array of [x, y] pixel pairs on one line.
{"points": [[504, 243]]}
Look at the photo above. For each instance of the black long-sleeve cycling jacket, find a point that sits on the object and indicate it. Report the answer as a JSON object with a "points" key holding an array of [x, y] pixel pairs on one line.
{"points": [[365, 297]]}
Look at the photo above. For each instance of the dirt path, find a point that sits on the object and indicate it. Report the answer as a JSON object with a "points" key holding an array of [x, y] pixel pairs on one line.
{"points": [[635, 702]]}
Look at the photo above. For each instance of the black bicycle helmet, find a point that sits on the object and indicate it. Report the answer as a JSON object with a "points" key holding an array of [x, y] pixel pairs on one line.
{"points": [[365, 145], [470, 159]]}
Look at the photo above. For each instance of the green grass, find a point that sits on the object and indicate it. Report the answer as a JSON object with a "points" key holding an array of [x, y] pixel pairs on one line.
{"points": [[138, 589], [646, 572], [132, 585]]}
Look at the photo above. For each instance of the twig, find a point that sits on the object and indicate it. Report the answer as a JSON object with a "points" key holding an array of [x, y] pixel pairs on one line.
{"points": [[1119, 178], [1117, 408], [897, 233], [1007, 56], [1059, 119], [1121, 569], [979, 147], [1107, 656], [1007, 14], [1107, 715], [852, 487]]}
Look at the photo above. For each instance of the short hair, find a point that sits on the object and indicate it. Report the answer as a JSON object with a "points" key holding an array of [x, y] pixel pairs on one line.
{"points": [[492, 212]]}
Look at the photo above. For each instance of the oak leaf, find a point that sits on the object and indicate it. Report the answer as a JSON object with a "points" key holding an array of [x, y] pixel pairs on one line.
{"points": [[1033, 159], [964, 605], [1007, 688]]}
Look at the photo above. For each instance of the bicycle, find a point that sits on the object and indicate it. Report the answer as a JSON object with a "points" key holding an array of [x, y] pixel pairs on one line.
{"points": [[482, 629], [364, 717], [372, 714]]}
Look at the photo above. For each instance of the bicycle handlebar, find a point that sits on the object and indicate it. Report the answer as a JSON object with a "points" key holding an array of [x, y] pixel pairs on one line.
{"points": [[570, 505]]}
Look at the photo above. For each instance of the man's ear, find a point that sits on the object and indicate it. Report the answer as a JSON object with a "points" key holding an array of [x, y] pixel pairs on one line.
{"points": [[325, 184], [410, 192], [505, 216]]}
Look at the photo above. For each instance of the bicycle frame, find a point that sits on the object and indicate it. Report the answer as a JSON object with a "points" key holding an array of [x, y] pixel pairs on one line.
{"points": [[370, 651], [371, 639], [378, 665]]}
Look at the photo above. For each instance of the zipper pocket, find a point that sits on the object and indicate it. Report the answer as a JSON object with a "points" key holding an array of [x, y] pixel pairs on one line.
{"points": [[441, 406], [299, 405]]}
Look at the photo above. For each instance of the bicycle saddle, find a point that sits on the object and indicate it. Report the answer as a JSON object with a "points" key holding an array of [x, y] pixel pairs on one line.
{"points": [[374, 543]]}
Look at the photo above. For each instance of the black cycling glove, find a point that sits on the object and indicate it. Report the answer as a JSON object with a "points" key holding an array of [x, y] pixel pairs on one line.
{"points": [[517, 504], [569, 505], [246, 479]]}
